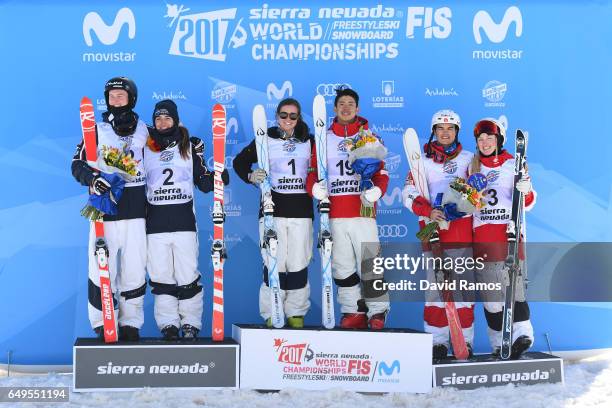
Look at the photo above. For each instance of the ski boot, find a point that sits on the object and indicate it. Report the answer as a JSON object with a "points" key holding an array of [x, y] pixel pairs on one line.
{"points": [[128, 333], [190, 332], [377, 321], [439, 351], [354, 321], [295, 322], [99, 332], [170, 333], [520, 345]]}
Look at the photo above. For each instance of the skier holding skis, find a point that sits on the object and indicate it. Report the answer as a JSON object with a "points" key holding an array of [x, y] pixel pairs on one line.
{"points": [[349, 229], [444, 160], [490, 238], [289, 146], [125, 231], [174, 162]]}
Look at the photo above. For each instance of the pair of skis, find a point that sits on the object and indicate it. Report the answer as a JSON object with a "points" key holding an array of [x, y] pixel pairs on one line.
{"points": [[260, 126], [417, 169], [414, 154], [90, 139], [513, 232], [88, 127]]}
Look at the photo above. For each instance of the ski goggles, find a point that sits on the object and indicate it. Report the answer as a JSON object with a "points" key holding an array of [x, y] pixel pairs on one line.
{"points": [[486, 126], [292, 116]]}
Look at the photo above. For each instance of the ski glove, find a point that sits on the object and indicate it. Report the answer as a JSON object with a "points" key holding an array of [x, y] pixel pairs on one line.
{"points": [[524, 184], [257, 176], [370, 196], [319, 190], [99, 185]]}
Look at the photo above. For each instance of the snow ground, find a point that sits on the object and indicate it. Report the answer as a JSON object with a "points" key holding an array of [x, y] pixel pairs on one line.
{"points": [[587, 384]]}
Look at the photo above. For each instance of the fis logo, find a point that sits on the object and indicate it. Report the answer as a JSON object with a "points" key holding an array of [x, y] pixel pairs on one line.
{"points": [[342, 146], [166, 156], [450, 167], [436, 23], [492, 176], [289, 146], [495, 32], [285, 91], [202, 35], [108, 34]]}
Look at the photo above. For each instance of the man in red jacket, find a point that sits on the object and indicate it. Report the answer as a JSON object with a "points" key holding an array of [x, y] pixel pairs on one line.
{"points": [[349, 229]]}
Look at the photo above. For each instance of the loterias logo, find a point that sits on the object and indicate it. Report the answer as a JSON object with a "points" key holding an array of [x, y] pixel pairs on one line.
{"points": [[292, 353], [108, 35]]}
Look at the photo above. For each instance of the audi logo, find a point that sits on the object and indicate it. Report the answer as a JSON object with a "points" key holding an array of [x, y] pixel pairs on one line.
{"points": [[392, 231], [229, 163], [330, 89]]}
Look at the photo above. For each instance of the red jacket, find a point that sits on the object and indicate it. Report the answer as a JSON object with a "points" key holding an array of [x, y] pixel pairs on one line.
{"points": [[346, 206], [491, 239]]}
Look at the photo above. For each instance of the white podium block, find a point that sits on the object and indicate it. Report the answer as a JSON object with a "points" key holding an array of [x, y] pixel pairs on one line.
{"points": [[318, 359]]}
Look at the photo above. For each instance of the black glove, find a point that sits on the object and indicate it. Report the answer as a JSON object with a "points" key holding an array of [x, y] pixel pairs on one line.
{"points": [[225, 177], [99, 185]]}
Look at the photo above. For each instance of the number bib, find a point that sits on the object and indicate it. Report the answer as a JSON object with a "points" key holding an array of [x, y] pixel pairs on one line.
{"points": [[108, 137], [439, 176], [169, 177], [500, 182], [342, 179], [288, 165]]}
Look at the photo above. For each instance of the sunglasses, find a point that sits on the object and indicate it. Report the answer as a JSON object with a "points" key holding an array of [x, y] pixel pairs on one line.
{"points": [[292, 116]]}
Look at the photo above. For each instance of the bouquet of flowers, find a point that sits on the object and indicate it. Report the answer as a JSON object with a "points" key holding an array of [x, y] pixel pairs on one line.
{"points": [[366, 153], [115, 166], [460, 199]]}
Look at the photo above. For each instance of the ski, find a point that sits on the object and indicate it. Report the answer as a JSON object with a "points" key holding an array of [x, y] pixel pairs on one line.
{"points": [[414, 154], [218, 216], [513, 232], [319, 114], [260, 126], [88, 127]]}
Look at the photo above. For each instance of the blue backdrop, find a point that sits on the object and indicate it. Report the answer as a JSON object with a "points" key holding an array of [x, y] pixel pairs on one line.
{"points": [[538, 65]]}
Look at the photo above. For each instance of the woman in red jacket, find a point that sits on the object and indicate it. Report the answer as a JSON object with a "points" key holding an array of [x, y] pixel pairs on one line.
{"points": [[490, 239]]}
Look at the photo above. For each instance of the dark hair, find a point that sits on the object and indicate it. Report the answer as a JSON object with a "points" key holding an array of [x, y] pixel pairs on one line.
{"points": [[289, 101], [184, 144], [343, 90]]}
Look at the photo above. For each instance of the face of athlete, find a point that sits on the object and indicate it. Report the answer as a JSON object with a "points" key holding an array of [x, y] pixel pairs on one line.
{"points": [[486, 144], [118, 98], [445, 134], [163, 122], [287, 124], [346, 109]]}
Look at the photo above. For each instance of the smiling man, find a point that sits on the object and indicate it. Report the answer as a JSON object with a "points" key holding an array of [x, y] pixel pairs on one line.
{"points": [[361, 305]]}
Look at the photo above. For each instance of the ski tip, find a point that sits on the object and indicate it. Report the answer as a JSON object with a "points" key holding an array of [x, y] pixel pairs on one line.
{"points": [[86, 101], [410, 131], [217, 107], [318, 99]]}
